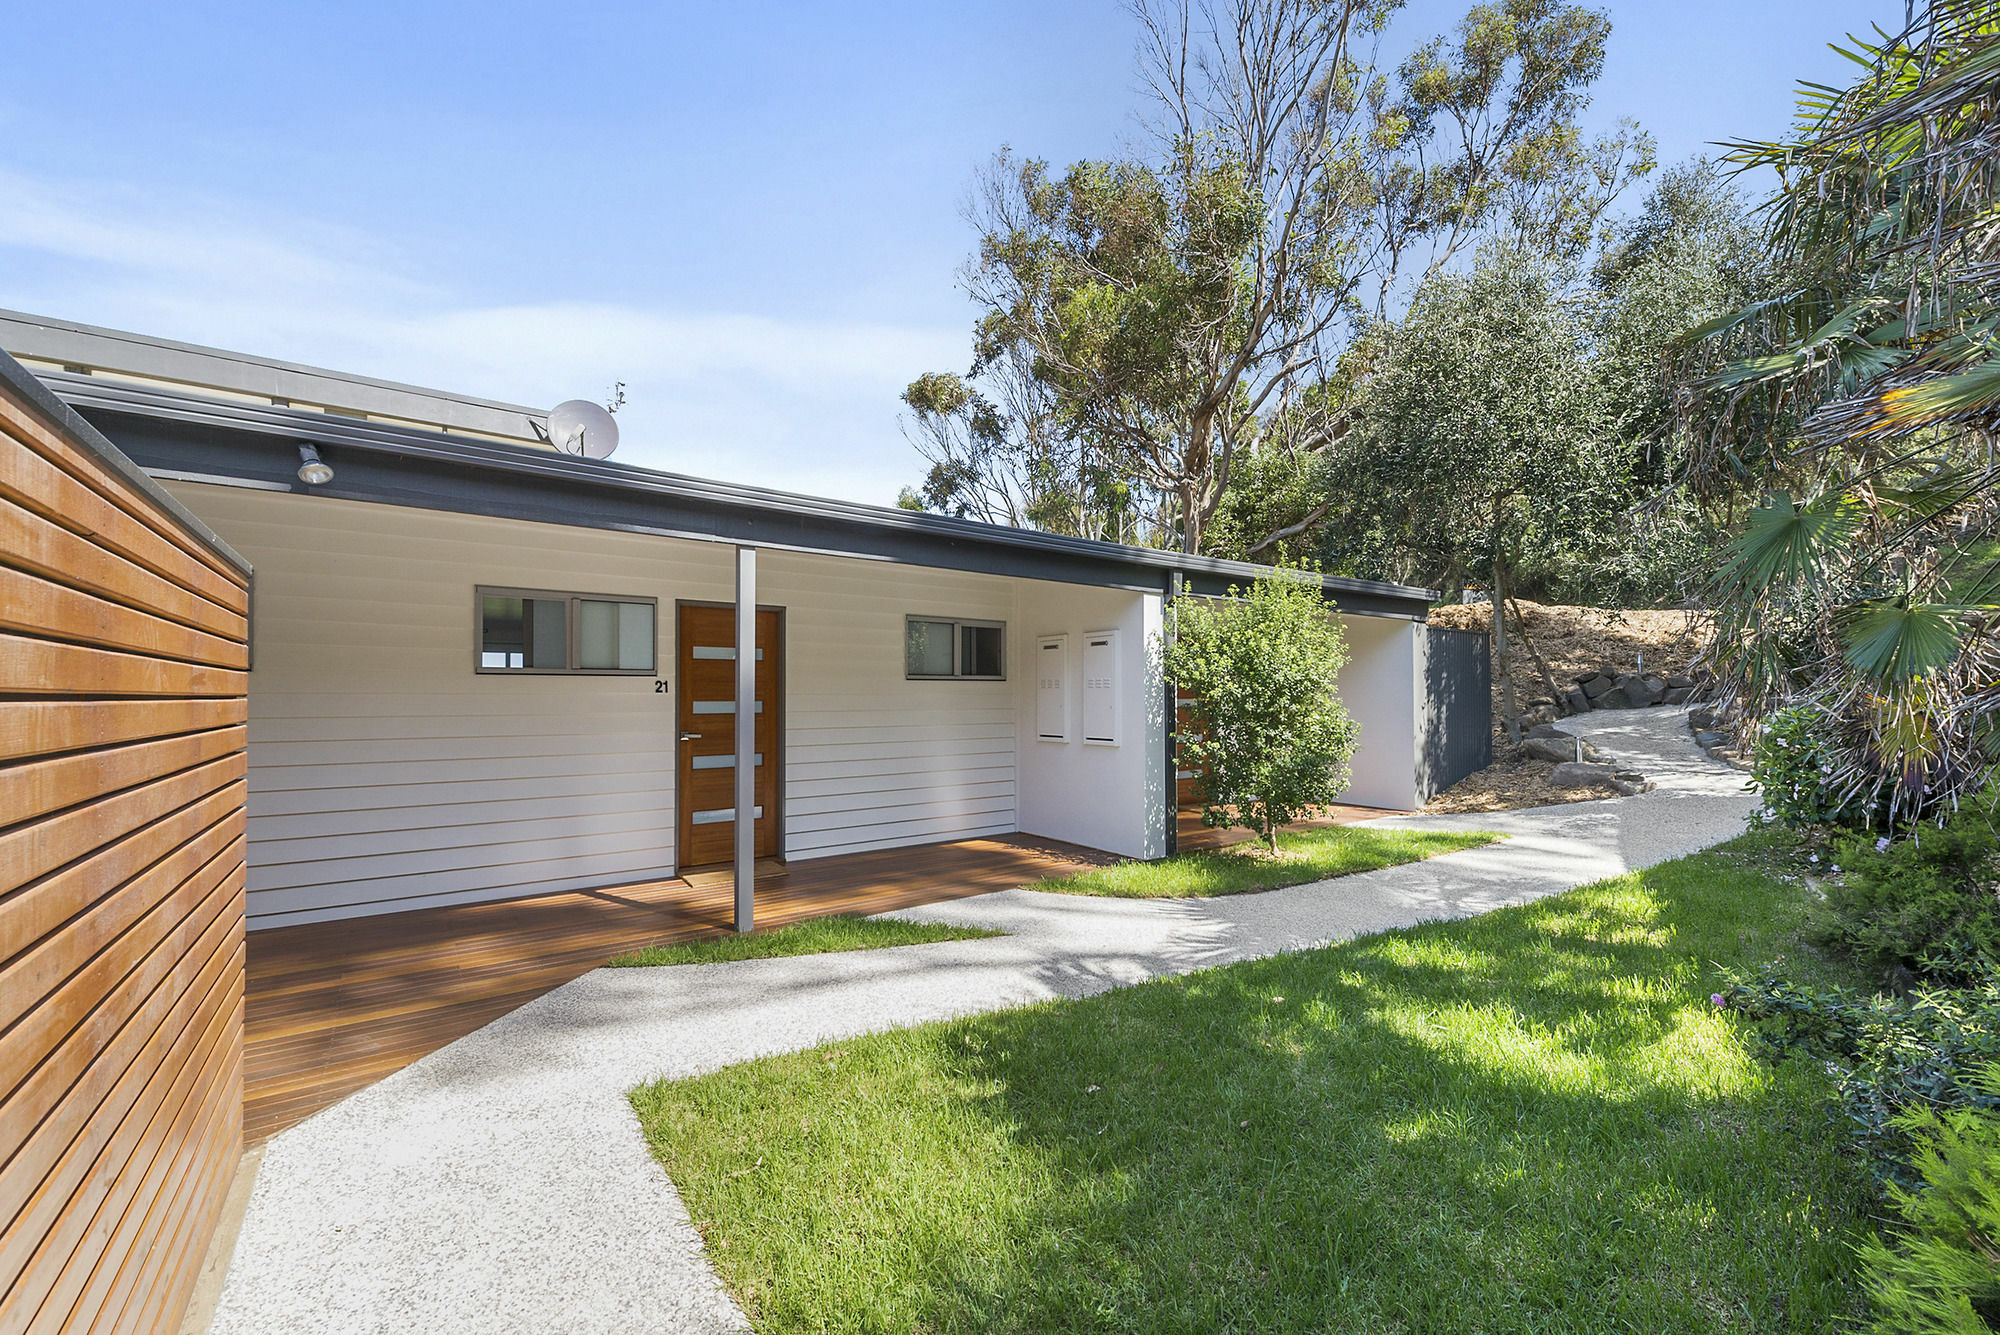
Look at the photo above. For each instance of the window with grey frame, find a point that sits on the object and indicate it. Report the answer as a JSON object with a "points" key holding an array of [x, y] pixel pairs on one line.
{"points": [[953, 649], [537, 631]]}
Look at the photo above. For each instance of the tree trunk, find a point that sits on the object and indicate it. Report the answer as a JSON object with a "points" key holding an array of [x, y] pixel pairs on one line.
{"points": [[1541, 664], [1270, 832], [1503, 657]]}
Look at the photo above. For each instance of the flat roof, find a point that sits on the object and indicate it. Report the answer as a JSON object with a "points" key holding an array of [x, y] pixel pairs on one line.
{"points": [[117, 353], [64, 419], [181, 433]]}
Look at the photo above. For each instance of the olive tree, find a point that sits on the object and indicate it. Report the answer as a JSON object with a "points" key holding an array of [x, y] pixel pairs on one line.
{"points": [[1268, 734]]}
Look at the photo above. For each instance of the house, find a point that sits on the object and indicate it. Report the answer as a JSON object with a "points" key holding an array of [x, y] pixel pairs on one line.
{"points": [[482, 668], [339, 717]]}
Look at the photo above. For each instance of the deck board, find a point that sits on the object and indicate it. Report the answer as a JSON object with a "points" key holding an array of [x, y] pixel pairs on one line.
{"points": [[334, 1007]]}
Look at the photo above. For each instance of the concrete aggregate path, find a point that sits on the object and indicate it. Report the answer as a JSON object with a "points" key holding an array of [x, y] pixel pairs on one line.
{"points": [[501, 1184]]}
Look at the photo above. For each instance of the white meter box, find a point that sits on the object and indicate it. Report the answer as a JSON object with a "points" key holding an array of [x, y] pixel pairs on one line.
{"points": [[1052, 688], [1100, 687]]}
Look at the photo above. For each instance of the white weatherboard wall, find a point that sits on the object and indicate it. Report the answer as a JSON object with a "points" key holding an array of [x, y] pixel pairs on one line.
{"points": [[1109, 797], [385, 774], [873, 760], [1381, 686]]}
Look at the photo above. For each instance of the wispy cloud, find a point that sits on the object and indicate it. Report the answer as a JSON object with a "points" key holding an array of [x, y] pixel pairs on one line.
{"points": [[803, 404]]}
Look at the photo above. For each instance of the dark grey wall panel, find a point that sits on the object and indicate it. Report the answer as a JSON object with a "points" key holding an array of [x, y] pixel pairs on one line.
{"points": [[1458, 708]]}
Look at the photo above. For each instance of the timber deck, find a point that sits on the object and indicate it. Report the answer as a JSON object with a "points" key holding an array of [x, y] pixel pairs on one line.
{"points": [[333, 1007]]}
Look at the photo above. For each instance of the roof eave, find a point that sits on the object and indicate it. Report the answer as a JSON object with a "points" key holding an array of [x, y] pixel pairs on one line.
{"points": [[115, 399]]}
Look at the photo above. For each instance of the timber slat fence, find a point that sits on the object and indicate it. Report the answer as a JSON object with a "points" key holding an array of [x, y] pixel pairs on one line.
{"points": [[124, 667]]}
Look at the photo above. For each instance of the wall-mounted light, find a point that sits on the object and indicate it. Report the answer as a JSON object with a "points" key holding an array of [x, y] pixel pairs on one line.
{"points": [[313, 471]]}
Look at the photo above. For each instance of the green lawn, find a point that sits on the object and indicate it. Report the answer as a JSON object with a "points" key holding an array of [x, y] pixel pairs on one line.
{"points": [[815, 936], [1531, 1121], [1307, 855]]}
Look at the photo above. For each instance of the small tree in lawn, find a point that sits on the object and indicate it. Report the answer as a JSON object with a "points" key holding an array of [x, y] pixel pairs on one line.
{"points": [[1269, 736]]}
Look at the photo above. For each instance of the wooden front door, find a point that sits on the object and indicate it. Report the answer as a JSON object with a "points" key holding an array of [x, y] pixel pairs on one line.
{"points": [[706, 787]]}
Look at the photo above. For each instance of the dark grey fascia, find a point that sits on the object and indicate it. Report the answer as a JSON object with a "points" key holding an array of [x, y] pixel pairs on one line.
{"points": [[188, 435]]}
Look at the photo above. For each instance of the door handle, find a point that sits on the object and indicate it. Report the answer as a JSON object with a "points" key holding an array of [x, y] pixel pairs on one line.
{"points": [[690, 736]]}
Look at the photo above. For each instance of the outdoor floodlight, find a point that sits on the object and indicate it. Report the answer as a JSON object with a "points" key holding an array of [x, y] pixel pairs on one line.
{"points": [[313, 471]]}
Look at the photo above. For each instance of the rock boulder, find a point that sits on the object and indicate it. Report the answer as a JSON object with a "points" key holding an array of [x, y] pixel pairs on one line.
{"points": [[1641, 691], [1558, 749], [1575, 774]]}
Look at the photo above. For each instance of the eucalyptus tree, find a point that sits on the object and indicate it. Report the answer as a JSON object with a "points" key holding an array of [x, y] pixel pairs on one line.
{"points": [[1004, 460], [1866, 404], [1180, 305]]}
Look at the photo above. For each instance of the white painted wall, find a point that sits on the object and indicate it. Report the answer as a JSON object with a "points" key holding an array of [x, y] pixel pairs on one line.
{"points": [[385, 774], [1382, 687], [1109, 797], [873, 760]]}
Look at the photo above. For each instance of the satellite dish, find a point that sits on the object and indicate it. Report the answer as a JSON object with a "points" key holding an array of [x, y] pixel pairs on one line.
{"points": [[580, 427]]}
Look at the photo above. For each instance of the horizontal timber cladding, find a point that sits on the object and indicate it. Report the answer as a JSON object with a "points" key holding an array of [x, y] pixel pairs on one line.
{"points": [[385, 774], [123, 676]]}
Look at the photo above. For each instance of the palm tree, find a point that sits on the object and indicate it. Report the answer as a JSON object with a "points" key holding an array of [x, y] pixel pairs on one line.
{"points": [[1862, 403]]}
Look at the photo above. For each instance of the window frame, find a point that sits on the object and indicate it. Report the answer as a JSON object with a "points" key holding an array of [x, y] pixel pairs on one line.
{"points": [[572, 632], [958, 625]]}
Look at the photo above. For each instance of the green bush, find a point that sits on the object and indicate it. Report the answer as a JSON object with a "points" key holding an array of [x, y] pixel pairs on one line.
{"points": [[1930, 895], [1940, 1275], [1267, 732], [1887, 1058], [1793, 769]]}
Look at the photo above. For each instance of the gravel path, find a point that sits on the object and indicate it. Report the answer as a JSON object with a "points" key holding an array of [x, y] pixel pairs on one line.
{"points": [[501, 1184]]}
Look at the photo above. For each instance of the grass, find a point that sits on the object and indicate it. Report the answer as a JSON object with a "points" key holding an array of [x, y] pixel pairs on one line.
{"points": [[815, 936], [1530, 1121], [1307, 855]]}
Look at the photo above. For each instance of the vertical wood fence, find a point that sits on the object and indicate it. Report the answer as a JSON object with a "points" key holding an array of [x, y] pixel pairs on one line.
{"points": [[124, 656]]}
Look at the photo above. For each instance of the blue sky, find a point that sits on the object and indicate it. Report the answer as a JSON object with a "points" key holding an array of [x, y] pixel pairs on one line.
{"points": [[750, 213]]}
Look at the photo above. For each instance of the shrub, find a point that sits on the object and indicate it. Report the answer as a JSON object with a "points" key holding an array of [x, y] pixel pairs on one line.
{"points": [[1929, 895], [1793, 768], [1888, 1059], [1270, 737], [1940, 1275]]}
